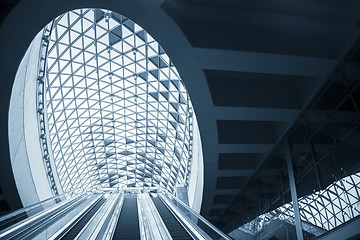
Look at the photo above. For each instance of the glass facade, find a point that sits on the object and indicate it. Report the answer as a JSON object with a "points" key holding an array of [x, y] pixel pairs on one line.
{"points": [[325, 209], [118, 112]]}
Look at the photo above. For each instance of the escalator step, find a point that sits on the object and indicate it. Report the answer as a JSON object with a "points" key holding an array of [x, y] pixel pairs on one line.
{"points": [[75, 230], [175, 229], [13, 220], [128, 224]]}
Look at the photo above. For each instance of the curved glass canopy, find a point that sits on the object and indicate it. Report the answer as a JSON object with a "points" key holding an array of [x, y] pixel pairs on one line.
{"points": [[118, 112]]}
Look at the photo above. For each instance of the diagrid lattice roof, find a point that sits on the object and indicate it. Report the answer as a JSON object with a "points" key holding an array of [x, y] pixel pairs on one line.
{"points": [[118, 112]]}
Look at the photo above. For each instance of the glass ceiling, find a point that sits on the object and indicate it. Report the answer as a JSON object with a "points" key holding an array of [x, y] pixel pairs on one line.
{"points": [[118, 112], [325, 209]]}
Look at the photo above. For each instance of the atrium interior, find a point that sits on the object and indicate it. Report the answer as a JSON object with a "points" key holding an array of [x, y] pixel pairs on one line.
{"points": [[178, 119]]}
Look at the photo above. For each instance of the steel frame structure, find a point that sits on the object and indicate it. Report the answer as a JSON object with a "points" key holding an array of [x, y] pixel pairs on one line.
{"points": [[118, 114]]}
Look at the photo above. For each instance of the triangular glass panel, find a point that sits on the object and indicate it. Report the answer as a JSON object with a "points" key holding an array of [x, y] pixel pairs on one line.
{"points": [[178, 136], [174, 124], [129, 141], [126, 33], [174, 115], [161, 50], [155, 95], [162, 63], [155, 73], [175, 105], [103, 179], [141, 34], [113, 183], [161, 149], [117, 17], [129, 25], [112, 174], [142, 160], [166, 84], [152, 142], [108, 142], [163, 137], [109, 154], [165, 95], [181, 99], [126, 153], [115, 35], [181, 120], [155, 60], [98, 15], [100, 165], [176, 83], [113, 39], [143, 75]]}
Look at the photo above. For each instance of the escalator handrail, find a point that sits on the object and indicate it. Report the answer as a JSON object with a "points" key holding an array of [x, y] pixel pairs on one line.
{"points": [[68, 226], [105, 225], [21, 210], [195, 231], [110, 231], [48, 221], [145, 233], [99, 217], [223, 235], [154, 223], [29, 223]]}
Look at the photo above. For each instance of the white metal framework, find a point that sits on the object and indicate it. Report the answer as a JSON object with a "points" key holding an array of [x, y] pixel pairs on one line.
{"points": [[325, 209], [118, 112]]}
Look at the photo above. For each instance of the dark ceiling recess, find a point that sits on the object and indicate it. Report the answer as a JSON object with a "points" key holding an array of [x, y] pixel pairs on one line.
{"points": [[249, 131], [228, 161], [255, 89]]}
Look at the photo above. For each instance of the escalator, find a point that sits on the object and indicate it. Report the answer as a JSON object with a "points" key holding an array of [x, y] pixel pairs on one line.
{"points": [[158, 220], [172, 224], [128, 224], [75, 230], [12, 220]]}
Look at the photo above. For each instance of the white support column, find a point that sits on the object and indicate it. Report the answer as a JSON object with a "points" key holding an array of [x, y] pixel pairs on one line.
{"points": [[25, 152]]}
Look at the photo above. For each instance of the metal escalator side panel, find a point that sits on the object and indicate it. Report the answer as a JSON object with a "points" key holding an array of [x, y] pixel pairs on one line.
{"points": [[127, 226], [154, 226], [145, 232]]}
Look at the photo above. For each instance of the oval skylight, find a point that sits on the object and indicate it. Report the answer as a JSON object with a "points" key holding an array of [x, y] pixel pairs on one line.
{"points": [[118, 113]]}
